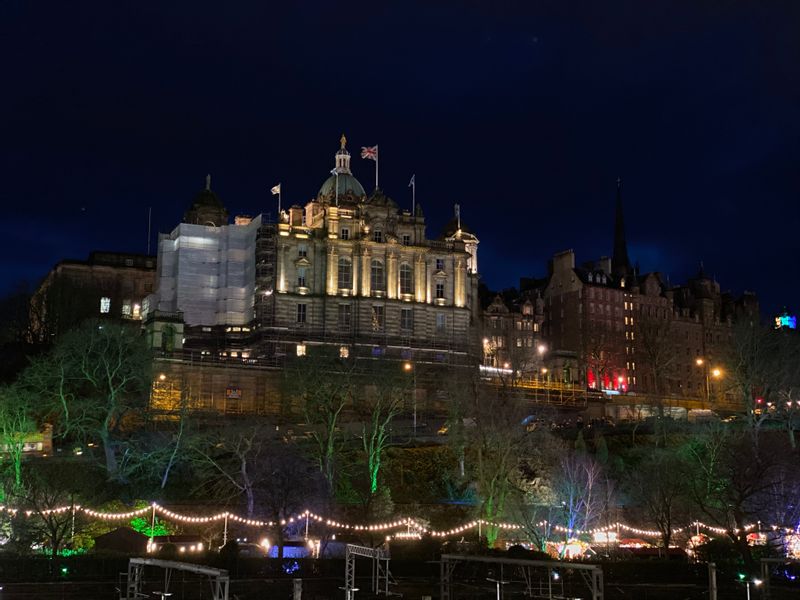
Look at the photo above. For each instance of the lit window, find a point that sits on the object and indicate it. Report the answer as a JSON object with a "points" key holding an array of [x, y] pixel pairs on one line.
{"points": [[377, 277], [105, 305], [440, 290], [344, 352], [406, 283], [377, 235], [344, 233], [137, 311], [126, 308], [406, 319], [345, 274], [301, 313], [301, 349]]}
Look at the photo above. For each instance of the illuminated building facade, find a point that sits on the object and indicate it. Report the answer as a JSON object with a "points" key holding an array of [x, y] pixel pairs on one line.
{"points": [[634, 332], [350, 271]]}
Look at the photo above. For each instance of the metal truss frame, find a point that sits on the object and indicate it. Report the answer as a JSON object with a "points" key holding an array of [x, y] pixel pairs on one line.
{"points": [[218, 578]]}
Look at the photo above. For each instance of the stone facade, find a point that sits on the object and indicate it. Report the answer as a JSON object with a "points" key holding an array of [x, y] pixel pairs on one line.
{"points": [[106, 285], [348, 270]]}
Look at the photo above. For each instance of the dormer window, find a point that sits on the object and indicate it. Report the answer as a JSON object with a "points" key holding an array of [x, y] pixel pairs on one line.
{"points": [[377, 236], [590, 277], [622, 282], [406, 239], [344, 233]]}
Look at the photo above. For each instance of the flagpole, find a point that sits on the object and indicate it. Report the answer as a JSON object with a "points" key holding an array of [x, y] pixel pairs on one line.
{"points": [[280, 191], [414, 197], [377, 156]]}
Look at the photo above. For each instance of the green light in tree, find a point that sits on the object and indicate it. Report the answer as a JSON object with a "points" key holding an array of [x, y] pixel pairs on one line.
{"points": [[145, 527]]}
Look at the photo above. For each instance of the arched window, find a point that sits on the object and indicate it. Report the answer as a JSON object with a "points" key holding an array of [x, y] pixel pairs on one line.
{"points": [[377, 277], [345, 278], [406, 279]]}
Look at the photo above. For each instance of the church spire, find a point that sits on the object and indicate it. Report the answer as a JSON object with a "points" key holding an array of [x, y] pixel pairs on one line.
{"points": [[620, 263]]}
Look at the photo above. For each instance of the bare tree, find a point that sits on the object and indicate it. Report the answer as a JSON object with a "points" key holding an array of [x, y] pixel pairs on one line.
{"points": [[229, 461], [95, 377], [658, 487], [325, 384], [578, 488], [735, 481], [389, 388], [17, 426], [497, 440]]}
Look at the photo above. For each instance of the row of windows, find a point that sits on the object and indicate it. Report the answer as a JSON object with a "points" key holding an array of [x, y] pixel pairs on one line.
{"points": [[345, 317], [377, 236], [377, 280], [131, 310]]}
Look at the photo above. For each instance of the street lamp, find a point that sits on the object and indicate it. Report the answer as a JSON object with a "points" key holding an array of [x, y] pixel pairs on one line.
{"points": [[409, 368], [499, 582], [756, 583], [716, 373]]}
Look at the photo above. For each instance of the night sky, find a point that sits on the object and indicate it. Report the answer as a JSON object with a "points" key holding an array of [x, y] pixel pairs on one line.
{"points": [[525, 113]]}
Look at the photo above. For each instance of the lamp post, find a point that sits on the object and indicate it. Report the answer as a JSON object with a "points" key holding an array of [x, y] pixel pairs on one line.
{"points": [[409, 368], [498, 582], [756, 583], [716, 373]]}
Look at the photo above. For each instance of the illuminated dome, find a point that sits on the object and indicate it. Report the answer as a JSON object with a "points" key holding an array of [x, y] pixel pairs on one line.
{"points": [[341, 179]]}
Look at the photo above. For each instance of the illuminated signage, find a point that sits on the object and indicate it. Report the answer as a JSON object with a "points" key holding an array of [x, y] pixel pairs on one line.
{"points": [[786, 320]]}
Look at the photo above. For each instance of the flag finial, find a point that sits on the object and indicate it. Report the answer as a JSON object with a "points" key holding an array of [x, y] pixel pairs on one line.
{"points": [[343, 141], [208, 182]]}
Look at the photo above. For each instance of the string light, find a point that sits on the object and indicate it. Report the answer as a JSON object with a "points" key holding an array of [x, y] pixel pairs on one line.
{"points": [[415, 529]]}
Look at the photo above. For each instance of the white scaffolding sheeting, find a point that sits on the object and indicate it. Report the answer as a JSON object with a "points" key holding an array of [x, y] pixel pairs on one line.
{"points": [[207, 273]]}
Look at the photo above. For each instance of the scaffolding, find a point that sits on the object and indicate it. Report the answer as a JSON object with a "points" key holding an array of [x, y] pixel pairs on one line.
{"points": [[207, 273]]}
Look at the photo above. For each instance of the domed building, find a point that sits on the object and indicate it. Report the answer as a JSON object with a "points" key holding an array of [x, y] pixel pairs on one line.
{"points": [[347, 270], [206, 209], [342, 186]]}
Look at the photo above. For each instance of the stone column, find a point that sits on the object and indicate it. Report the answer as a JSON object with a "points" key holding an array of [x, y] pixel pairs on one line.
{"points": [[333, 263], [460, 283], [419, 277], [392, 283], [365, 271]]}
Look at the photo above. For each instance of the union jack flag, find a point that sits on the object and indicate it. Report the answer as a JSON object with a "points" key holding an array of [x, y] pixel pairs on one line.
{"points": [[370, 152]]}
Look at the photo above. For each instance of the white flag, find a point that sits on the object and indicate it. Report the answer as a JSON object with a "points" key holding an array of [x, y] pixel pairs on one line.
{"points": [[412, 183], [276, 190]]}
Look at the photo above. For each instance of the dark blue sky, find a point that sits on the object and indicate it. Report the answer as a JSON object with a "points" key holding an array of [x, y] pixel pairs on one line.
{"points": [[523, 112]]}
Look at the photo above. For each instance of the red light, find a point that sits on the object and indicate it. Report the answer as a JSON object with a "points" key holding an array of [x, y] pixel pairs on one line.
{"points": [[759, 400]]}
